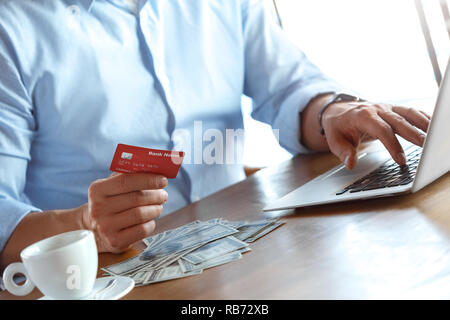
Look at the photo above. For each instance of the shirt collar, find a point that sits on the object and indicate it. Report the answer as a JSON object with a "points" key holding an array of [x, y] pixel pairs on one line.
{"points": [[87, 3]]}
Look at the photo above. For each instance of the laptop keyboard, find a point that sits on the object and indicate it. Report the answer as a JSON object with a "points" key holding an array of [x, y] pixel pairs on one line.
{"points": [[390, 174]]}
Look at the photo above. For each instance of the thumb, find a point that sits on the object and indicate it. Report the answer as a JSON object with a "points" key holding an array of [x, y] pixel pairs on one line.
{"points": [[351, 159], [345, 151]]}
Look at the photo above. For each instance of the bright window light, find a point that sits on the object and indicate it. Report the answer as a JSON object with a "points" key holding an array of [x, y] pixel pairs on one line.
{"points": [[374, 47]]}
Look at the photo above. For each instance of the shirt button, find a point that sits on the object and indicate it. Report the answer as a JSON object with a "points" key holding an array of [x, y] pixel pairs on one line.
{"points": [[73, 10], [73, 16]]}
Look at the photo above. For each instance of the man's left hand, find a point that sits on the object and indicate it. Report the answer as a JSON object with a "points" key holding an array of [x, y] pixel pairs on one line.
{"points": [[347, 124]]}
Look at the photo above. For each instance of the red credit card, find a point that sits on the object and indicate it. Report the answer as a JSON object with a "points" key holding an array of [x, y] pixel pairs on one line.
{"points": [[131, 159]]}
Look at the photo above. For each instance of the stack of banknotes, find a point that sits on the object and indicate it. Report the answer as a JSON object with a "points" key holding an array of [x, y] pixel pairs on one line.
{"points": [[189, 249]]}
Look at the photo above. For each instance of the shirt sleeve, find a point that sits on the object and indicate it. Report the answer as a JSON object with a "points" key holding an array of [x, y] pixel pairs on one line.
{"points": [[279, 77], [17, 129]]}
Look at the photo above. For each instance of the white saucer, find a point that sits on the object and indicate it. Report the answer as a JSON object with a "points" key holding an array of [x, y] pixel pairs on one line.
{"points": [[122, 286]]}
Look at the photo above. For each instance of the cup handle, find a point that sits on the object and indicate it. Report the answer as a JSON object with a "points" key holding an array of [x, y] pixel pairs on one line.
{"points": [[11, 286]]}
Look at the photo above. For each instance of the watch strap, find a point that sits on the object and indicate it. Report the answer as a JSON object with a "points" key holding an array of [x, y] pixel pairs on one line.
{"points": [[337, 97]]}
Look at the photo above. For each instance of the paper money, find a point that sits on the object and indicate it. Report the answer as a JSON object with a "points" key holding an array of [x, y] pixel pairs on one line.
{"points": [[249, 229], [244, 250], [155, 240], [174, 257], [214, 249], [139, 277], [188, 249], [200, 235], [186, 266], [168, 273], [264, 231], [126, 267]]}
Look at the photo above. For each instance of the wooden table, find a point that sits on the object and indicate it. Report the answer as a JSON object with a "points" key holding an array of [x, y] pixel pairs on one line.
{"points": [[387, 248]]}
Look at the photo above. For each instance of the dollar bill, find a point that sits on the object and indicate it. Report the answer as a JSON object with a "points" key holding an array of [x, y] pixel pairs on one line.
{"points": [[264, 231], [250, 229], [136, 263], [217, 220], [174, 257], [201, 235], [188, 249], [244, 250], [155, 240], [168, 273], [126, 267], [186, 266], [214, 249], [171, 235], [235, 224], [139, 277]]}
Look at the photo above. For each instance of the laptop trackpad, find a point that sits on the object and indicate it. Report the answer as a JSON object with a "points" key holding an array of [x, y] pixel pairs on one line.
{"points": [[366, 163]]}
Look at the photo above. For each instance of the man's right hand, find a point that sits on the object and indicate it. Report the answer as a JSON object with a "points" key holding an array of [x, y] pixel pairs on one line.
{"points": [[121, 209]]}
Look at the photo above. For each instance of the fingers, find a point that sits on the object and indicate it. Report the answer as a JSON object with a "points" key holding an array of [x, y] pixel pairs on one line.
{"points": [[425, 114], [403, 128], [414, 116], [134, 199], [116, 232], [132, 217], [122, 208], [343, 149], [123, 239], [370, 122], [345, 129], [125, 183]]}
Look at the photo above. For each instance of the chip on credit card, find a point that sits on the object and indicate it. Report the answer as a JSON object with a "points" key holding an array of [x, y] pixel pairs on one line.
{"points": [[131, 159]]}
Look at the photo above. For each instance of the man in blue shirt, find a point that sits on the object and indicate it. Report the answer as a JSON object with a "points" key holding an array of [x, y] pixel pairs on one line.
{"points": [[77, 77]]}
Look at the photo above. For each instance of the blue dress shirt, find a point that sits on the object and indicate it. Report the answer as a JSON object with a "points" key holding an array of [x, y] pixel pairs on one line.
{"points": [[77, 77]]}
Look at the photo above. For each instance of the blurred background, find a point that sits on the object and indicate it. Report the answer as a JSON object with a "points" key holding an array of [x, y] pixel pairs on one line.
{"points": [[384, 50]]}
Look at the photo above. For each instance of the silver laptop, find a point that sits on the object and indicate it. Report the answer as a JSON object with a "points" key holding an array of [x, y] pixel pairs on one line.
{"points": [[376, 174]]}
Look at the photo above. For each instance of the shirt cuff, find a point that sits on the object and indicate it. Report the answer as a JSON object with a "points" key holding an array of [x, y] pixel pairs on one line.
{"points": [[11, 213], [287, 121]]}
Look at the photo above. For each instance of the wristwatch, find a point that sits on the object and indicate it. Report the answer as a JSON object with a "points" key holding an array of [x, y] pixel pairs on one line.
{"points": [[337, 97]]}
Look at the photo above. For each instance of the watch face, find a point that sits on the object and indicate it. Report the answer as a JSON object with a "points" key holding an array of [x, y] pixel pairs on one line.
{"points": [[346, 97]]}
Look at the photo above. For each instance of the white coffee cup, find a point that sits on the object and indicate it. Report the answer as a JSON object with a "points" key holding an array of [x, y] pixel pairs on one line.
{"points": [[62, 267]]}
